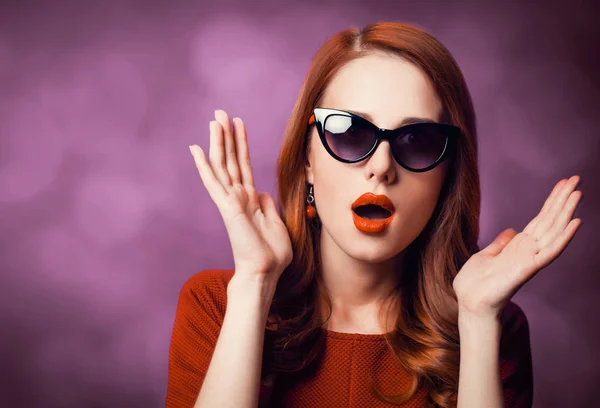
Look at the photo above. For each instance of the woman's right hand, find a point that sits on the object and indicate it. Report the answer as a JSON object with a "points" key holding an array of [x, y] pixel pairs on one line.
{"points": [[259, 239]]}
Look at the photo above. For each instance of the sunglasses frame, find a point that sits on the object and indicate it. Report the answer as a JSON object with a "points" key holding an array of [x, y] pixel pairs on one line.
{"points": [[320, 116]]}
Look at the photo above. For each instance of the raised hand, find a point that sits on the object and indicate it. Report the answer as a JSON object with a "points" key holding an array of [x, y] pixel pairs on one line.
{"points": [[490, 278], [259, 239]]}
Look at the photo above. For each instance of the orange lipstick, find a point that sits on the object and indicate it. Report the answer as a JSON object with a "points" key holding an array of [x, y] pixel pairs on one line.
{"points": [[372, 225]]}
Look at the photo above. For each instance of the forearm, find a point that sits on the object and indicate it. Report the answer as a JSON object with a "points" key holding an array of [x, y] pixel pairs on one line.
{"points": [[233, 376], [479, 384]]}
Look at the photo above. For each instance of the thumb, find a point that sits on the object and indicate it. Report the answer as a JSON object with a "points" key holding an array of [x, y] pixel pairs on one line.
{"points": [[267, 205], [500, 242]]}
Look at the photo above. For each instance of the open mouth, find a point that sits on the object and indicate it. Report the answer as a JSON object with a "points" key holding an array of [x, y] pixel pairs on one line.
{"points": [[372, 212]]}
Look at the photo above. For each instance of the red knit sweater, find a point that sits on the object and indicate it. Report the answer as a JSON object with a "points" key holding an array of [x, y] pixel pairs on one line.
{"points": [[344, 374]]}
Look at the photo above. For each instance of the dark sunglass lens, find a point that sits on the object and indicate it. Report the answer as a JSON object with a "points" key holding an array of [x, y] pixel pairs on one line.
{"points": [[348, 138], [421, 145]]}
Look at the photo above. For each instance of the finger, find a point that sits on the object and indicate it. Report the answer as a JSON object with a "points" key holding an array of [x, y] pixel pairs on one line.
{"points": [[243, 158], [564, 217], [563, 194], [557, 188], [267, 205], [552, 251], [547, 221], [217, 154], [230, 155], [530, 228], [242, 152], [562, 220], [213, 186]]}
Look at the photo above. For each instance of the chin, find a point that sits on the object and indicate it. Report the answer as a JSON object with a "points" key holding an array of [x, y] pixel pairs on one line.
{"points": [[371, 252]]}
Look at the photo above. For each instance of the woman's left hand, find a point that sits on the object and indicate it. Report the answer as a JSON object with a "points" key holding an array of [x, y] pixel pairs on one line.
{"points": [[490, 278]]}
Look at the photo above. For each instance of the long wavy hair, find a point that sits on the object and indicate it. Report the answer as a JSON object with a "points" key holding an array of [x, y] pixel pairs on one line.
{"points": [[425, 338]]}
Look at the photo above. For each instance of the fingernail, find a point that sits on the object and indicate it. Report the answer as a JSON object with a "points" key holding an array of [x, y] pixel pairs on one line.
{"points": [[191, 150]]}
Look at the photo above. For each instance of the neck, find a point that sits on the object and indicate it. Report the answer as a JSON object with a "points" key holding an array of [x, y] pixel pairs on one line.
{"points": [[359, 291]]}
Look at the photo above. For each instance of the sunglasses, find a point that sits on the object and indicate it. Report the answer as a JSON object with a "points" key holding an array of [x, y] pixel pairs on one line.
{"points": [[350, 138]]}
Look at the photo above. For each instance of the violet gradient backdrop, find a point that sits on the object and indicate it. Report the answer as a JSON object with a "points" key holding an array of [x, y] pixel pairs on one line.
{"points": [[104, 216]]}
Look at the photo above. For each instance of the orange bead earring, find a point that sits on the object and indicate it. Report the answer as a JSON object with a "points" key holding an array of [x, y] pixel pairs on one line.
{"points": [[311, 211]]}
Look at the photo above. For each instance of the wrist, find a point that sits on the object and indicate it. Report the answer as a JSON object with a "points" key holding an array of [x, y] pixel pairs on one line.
{"points": [[474, 326], [250, 287]]}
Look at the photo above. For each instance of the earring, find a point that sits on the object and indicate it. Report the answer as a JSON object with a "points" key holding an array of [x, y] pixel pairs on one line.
{"points": [[311, 211]]}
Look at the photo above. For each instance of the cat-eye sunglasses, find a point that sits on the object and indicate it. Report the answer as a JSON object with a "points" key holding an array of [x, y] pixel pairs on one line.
{"points": [[418, 146]]}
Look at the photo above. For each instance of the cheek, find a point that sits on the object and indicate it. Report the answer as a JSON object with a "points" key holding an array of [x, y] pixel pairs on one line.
{"points": [[331, 184], [418, 208]]}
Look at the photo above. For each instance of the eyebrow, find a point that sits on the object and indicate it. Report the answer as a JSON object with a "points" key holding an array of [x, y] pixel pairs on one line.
{"points": [[406, 121]]}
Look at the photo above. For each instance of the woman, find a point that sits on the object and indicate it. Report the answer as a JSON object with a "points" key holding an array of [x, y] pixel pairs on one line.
{"points": [[367, 288]]}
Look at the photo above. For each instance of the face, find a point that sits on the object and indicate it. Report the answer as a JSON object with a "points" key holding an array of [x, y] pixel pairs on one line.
{"points": [[387, 89]]}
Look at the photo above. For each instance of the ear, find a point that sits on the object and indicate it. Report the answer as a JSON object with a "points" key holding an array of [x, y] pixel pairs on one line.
{"points": [[309, 174], [308, 170]]}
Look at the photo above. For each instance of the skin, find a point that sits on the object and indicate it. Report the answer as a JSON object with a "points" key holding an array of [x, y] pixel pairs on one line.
{"points": [[491, 277], [358, 269]]}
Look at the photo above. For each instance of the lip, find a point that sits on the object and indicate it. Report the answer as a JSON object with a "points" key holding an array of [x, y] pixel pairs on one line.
{"points": [[372, 226]]}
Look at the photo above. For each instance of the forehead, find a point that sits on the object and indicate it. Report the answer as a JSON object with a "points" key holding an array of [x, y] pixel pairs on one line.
{"points": [[387, 88]]}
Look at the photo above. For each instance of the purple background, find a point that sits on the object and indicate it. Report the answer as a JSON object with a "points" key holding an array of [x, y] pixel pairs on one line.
{"points": [[103, 215]]}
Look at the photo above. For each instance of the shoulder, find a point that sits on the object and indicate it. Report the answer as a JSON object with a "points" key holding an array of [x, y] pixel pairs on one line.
{"points": [[514, 341], [206, 289], [513, 319], [516, 365], [214, 280]]}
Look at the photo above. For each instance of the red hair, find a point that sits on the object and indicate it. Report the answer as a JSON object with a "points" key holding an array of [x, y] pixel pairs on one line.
{"points": [[425, 337]]}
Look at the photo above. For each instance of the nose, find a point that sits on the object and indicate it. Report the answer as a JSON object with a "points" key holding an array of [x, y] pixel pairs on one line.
{"points": [[381, 164]]}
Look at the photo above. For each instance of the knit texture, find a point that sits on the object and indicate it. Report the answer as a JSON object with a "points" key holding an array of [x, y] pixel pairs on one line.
{"points": [[350, 363]]}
